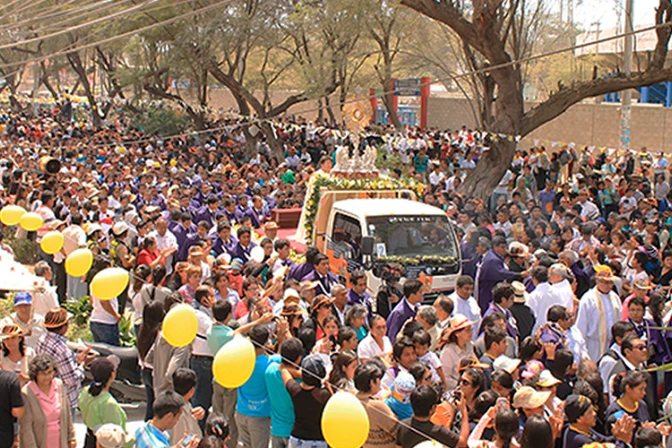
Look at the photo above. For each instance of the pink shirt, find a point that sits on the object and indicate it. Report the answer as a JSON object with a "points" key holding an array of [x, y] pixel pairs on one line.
{"points": [[51, 406]]}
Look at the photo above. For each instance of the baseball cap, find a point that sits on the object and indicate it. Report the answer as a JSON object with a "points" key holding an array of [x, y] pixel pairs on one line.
{"points": [[313, 370], [505, 363], [546, 379], [102, 368], [23, 298], [236, 264], [403, 386], [110, 435]]}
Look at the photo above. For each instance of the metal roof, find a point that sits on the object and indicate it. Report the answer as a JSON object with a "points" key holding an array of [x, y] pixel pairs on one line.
{"points": [[384, 207]]}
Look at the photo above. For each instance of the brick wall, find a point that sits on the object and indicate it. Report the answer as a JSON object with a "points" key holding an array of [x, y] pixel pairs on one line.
{"points": [[585, 124]]}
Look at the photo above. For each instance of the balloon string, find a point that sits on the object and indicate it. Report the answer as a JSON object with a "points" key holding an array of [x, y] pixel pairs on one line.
{"points": [[287, 361]]}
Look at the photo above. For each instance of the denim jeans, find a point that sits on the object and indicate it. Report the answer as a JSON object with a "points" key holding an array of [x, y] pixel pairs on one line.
{"points": [[148, 382], [105, 333], [300, 443], [202, 365]]}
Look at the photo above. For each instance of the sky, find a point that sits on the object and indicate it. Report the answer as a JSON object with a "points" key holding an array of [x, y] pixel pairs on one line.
{"points": [[591, 11]]}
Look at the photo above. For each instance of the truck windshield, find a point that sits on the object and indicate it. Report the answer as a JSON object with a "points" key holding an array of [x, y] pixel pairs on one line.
{"points": [[409, 236]]}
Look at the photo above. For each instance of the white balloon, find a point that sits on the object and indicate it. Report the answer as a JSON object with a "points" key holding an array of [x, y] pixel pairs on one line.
{"points": [[257, 254]]}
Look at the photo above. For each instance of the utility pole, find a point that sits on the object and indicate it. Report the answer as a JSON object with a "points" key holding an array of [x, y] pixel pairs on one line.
{"points": [[626, 100]]}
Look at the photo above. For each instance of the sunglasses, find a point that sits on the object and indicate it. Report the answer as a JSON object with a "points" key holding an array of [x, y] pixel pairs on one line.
{"points": [[639, 347]]}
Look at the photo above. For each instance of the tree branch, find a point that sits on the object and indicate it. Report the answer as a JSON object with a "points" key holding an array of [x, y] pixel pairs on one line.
{"points": [[562, 100]]}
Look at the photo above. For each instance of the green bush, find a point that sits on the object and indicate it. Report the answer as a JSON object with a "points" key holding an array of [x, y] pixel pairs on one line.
{"points": [[25, 250]]}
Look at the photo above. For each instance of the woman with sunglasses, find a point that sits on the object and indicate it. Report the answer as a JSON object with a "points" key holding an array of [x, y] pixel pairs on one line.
{"points": [[455, 344]]}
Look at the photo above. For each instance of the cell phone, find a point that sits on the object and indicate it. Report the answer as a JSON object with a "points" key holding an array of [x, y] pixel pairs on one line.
{"points": [[457, 395], [501, 404], [187, 440]]}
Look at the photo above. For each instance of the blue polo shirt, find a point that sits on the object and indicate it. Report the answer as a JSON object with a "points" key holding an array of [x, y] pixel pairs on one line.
{"points": [[253, 395]]}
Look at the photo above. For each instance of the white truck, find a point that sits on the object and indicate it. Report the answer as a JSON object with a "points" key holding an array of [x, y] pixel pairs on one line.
{"points": [[371, 229]]}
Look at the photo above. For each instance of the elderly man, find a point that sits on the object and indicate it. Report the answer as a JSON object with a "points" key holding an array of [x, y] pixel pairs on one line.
{"points": [[30, 323], [492, 271], [165, 239], [571, 259], [340, 306], [542, 297], [561, 288], [599, 309]]}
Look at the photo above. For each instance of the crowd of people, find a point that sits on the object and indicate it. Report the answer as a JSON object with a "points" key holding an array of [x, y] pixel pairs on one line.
{"points": [[551, 337]]}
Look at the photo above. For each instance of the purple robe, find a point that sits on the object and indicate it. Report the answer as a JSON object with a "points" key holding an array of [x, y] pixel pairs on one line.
{"points": [[364, 299], [493, 270], [242, 252], [324, 282], [399, 315]]}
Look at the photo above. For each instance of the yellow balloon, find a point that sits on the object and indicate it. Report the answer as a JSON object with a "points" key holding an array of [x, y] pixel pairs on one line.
{"points": [[79, 262], [52, 242], [344, 410], [234, 363], [11, 214], [31, 221], [429, 444], [109, 283], [180, 325]]}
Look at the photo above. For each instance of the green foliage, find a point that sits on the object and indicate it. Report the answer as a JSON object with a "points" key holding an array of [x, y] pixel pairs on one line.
{"points": [[126, 330], [81, 314], [25, 250], [160, 120]]}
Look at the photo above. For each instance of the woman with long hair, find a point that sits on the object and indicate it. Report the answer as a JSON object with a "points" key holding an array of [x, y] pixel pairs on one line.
{"points": [[343, 372], [455, 343], [319, 311], [537, 433], [15, 355], [630, 388], [506, 429], [141, 275], [152, 318], [97, 404]]}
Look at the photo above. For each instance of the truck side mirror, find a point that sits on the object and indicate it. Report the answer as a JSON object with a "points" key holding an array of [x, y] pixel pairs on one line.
{"points": [[367, 245]]}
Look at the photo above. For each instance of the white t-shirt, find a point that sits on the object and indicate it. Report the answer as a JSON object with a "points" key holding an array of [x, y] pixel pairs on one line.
{"points": [[99, 315], [369, 348]]}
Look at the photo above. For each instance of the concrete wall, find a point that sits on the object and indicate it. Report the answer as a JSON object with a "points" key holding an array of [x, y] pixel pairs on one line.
{"points": [[586, 124]]}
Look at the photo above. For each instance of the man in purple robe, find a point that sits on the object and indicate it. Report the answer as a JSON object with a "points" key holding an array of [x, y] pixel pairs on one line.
{"points": [[492, 271]]}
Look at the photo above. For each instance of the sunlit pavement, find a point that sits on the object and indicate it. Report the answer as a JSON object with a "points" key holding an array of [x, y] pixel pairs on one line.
{"points": [[135, 418]]}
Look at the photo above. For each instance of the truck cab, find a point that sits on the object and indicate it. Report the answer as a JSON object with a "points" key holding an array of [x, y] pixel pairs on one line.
{"points": [[370, 233]]}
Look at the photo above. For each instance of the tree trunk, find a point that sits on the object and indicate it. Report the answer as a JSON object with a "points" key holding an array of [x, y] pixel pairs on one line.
{"points": [[277, 148], [392, 116], [483, 179], [330, 110], [76, 64], [320, 111]]}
